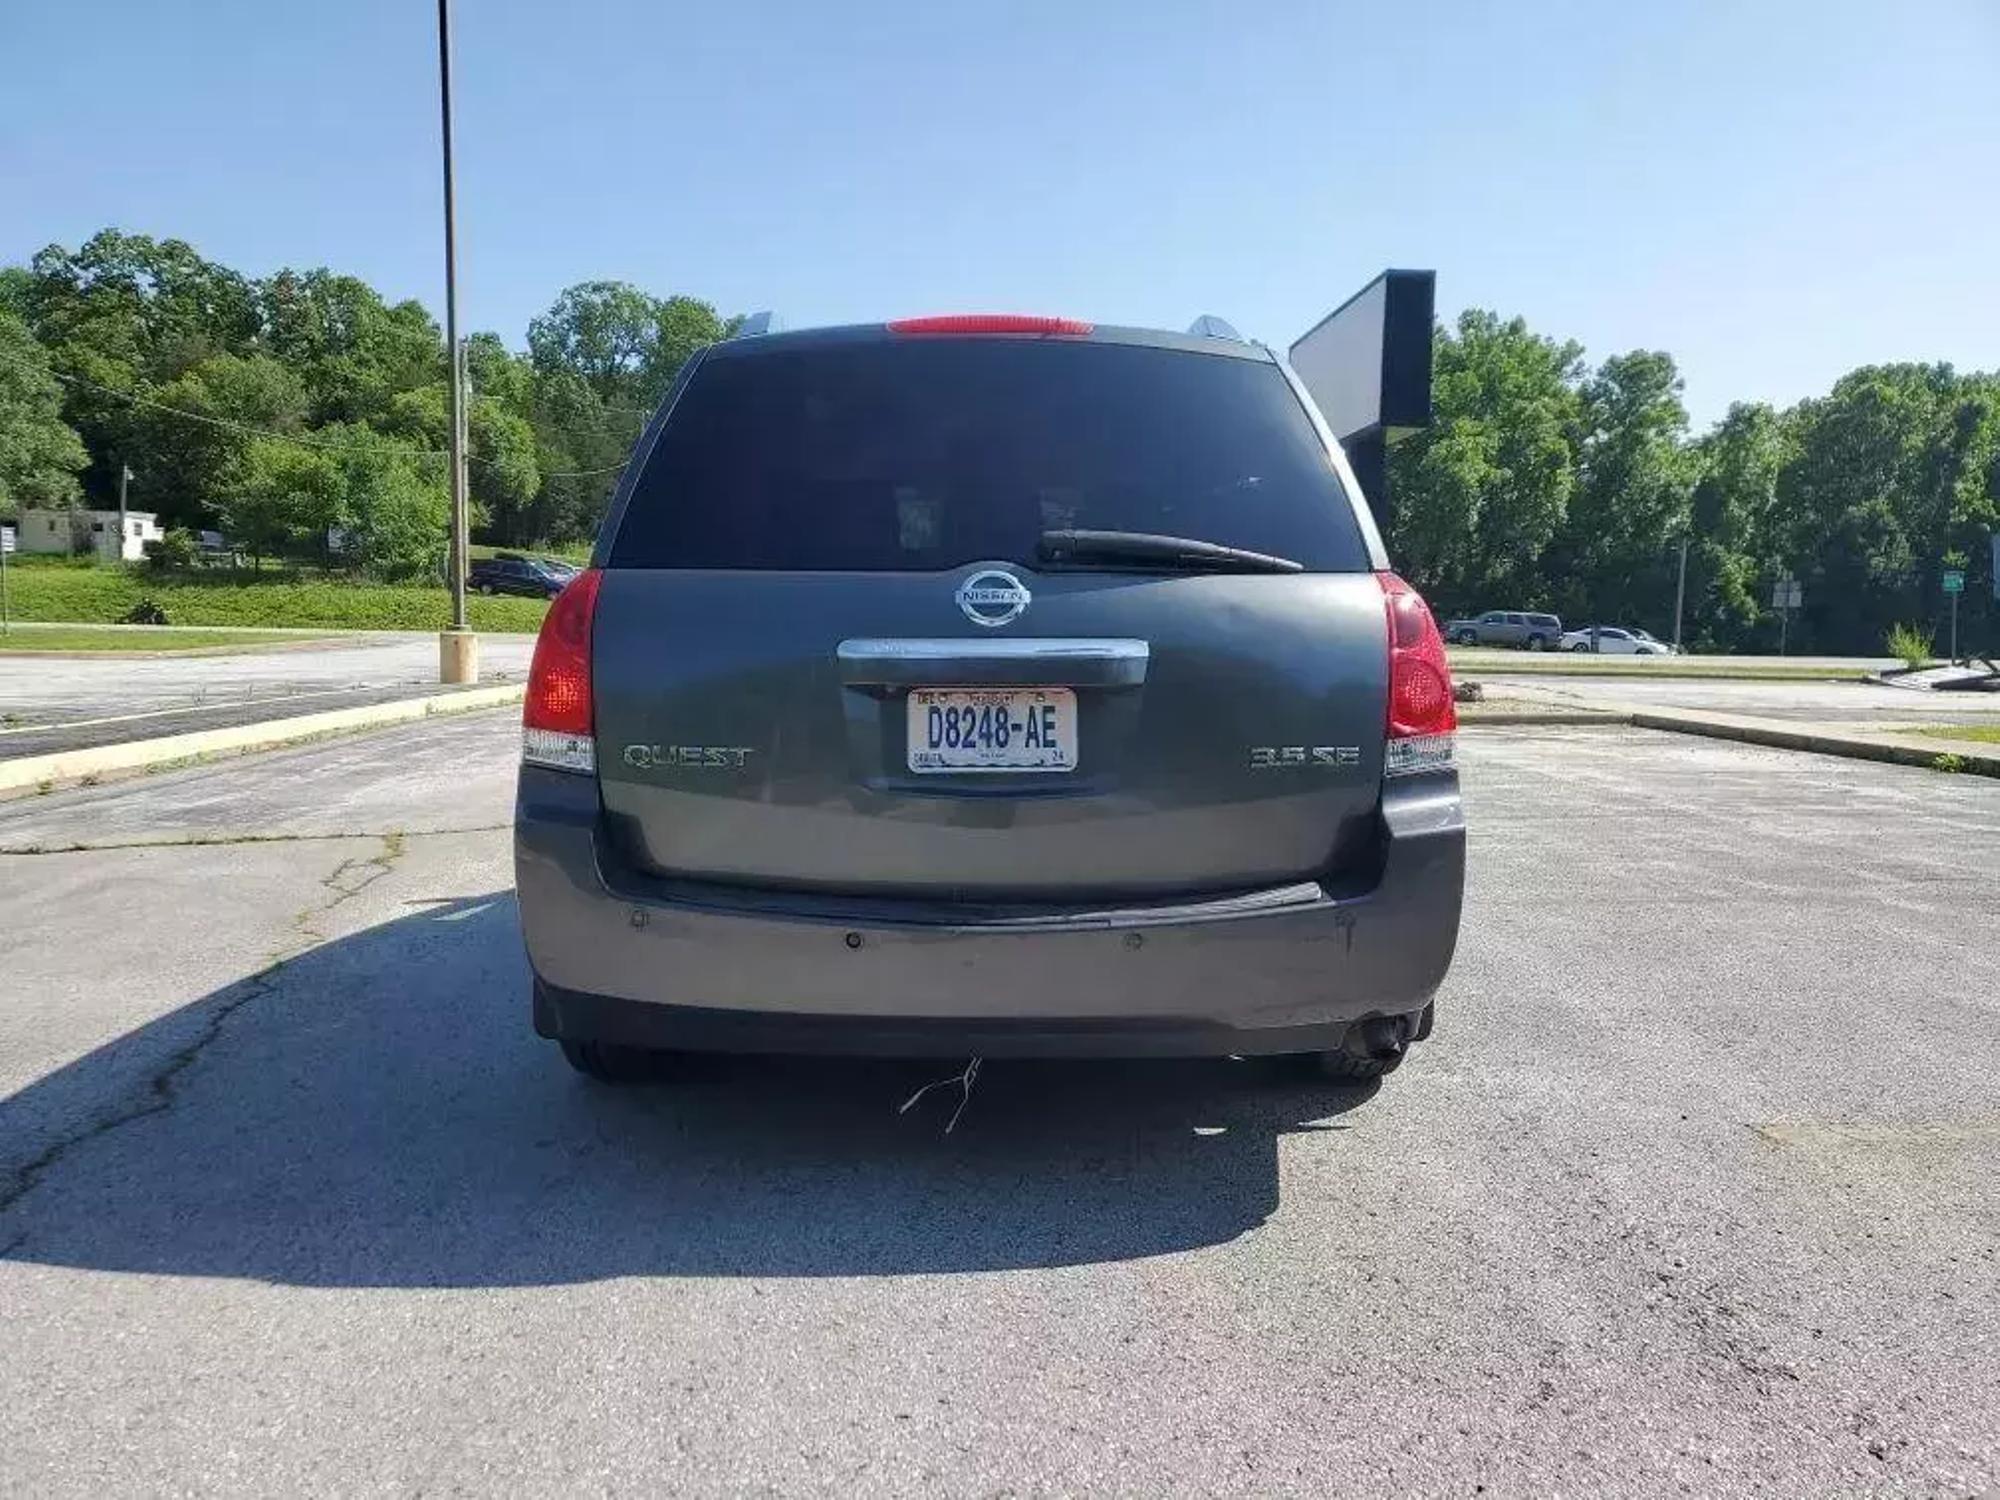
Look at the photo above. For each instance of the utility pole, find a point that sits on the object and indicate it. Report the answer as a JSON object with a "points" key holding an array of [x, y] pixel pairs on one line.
{"points": [[458, 647], [1680, 593], [124, 478]]}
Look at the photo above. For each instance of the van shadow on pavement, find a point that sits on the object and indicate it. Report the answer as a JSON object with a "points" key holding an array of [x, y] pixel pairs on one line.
{"points": [[378, 1113]]}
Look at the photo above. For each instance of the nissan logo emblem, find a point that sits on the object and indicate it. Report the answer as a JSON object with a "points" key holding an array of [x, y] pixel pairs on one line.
{"points": [[993, 596]]}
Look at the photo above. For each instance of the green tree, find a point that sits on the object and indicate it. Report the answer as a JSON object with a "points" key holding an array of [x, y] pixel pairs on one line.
{"points": [[167, 357], [39, 452], [394, 507], [157, 303], [502, 479], [682, 326], [354, 352], [504, 476], [279, 498], [122, 314], [1893, 469], [602, 332], [17, 285], [1616, 556], [624, 344], [578, 447], [183, 463], [1732, 514], [1480, 494], [493, 371], [355, 497]]}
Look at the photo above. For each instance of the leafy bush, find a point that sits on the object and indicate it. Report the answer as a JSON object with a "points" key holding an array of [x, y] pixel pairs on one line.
{"points": [[1910, 645], [145, 612], [173, 552]]}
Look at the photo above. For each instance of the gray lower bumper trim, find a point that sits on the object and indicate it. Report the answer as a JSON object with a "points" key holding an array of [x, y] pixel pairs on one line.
{"points": [[565, 1014], [1233, 975]]}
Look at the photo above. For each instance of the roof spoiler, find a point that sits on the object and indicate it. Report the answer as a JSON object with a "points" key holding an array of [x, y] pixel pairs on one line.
{"points": [[1208, 326]]}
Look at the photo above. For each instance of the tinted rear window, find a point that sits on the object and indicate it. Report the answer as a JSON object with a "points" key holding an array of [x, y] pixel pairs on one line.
{"points": [[921, 454]]}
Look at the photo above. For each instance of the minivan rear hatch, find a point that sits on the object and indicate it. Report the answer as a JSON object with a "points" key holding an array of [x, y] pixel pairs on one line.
{"points": [[873, 621]]}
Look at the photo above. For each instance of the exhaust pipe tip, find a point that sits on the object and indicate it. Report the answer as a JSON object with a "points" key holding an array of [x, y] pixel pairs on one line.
{"points": [[1384, 1037]]}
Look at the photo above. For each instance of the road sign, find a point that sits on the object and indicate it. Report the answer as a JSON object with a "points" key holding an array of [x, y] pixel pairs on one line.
{"points": [[1954, 581], [1787, 593], [6, 539]]}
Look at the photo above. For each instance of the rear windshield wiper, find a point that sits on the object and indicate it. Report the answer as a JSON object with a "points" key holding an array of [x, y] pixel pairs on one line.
{"points": [[1143, 549]]}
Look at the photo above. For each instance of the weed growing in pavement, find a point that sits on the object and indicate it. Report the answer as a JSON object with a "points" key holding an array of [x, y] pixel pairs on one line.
{"points": [[1911, 645]]}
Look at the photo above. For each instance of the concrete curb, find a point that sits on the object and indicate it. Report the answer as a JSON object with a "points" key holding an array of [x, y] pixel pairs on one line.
{"points": [[1887, 743], [1820, 739], [124, 629], [180, 653], [1514, 717], [37, 771], [1557, 666]]}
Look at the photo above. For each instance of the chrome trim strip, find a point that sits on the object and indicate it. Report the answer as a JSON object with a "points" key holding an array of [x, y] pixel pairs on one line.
{"points": [[1021, 661], [965, 648]]}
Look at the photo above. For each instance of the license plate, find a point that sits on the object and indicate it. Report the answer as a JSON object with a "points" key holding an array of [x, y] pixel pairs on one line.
{"points": [[992, 729]]}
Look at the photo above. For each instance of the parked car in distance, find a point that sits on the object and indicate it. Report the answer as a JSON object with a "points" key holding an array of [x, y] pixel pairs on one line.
{"points": [[1614, 640], [517, 575], [561, 567], [1505, 627], [982, 687]]}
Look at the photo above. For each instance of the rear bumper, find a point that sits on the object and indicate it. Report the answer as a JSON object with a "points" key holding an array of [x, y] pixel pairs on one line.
{"points": [[623, 958]]}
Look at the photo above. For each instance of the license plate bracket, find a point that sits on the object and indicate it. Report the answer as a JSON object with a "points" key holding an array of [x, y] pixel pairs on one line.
{"points": [[986, 730]]}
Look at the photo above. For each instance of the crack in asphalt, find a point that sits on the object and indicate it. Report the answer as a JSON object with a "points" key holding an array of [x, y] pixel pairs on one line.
{"points": [[347, 880], [227, 840], [156, 1094]]}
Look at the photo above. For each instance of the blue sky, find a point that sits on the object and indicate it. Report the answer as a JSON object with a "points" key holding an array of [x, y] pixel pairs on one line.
{"points": [[1775, 192]]}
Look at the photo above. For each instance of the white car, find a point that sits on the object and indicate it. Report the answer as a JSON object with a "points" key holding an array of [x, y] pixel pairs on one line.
{"points": [[1615, 640]]}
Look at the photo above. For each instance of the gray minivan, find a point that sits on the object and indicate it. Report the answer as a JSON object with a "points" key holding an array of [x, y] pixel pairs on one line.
{"points": [[988, 686]]}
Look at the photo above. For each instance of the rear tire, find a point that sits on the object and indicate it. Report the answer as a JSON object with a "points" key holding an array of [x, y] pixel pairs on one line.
{"points": [[1580, 646], [607, 1062], [1536, 643]]}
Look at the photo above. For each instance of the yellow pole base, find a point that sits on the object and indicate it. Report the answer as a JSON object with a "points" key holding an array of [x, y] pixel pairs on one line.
{"points": [[458, 656]]}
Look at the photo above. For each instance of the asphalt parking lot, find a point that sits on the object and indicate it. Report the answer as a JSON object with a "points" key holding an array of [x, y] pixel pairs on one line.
{"points": [[1696, 1187], [62, 702]]}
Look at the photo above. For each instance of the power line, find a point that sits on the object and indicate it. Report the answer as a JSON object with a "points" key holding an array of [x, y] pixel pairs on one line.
{"points": [[581, 473], [303, 441]]}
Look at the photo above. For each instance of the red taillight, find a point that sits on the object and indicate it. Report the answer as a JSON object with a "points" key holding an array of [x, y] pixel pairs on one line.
{"points": [[1421, 707], [990, 323], [556, 714]]}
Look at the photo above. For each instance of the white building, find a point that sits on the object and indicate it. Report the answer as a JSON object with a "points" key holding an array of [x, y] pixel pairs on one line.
{"points": [[95, 530]]}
